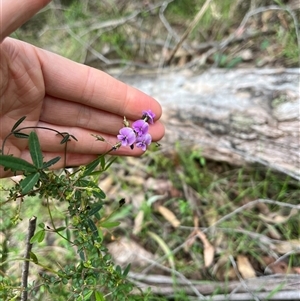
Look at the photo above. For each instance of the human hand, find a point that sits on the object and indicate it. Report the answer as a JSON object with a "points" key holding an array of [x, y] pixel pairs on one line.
{"points": [[52, 91]]}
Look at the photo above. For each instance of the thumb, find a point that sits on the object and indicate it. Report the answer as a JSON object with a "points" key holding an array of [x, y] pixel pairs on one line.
{"points": [[15, 13]]}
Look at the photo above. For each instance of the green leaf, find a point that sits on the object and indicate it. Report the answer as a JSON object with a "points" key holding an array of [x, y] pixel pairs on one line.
{"points": [[88, 295], [102, 162], [60, 229], [35, 150], [68, 233], [51, 162], [65, 139], [33, 257], [38, 236], [18, 123], [118, 270], [107, 224], [99, 193], [93, 227], [28, 183], [112, 160], [95, 208], [96, 190], [16, 164], [21, 135], [90, 167], [41, 225], [99, 296], [126, 271]]}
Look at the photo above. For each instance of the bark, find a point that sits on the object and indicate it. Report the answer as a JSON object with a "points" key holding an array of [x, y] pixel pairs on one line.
{"points": [[237, 116]]}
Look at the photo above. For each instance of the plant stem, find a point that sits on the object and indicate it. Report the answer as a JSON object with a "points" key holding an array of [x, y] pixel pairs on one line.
{"points": [[25, 268]]}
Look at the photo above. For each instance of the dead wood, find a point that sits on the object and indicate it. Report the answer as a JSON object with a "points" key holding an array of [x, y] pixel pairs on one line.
{"points": [[237, 116], [279, 285]]}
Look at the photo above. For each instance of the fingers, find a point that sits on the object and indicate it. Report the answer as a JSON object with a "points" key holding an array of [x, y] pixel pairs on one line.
{"points": [[71, 81], [70, 114], [15, 13], [67, 113]]}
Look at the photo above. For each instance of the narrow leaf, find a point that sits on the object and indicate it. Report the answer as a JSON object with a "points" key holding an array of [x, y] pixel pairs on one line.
{"points": [[88, 295], [28, 183], [90, 167], [95, 208], [168, 252], [118, 270], [126, 271], [35, 150], [112, 160], [98, 296], [18, 123], [60, 229], [20, 135], [16, 164], [108, 225], [93, 228], [72, 136], [65, 139], [51, 162], [99, 194], [102, 162], [33, 257]]}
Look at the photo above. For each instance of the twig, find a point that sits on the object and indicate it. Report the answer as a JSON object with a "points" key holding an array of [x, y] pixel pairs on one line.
{"points": [[279, 296], [249, 205], [189, 29], [273, 7], [25, 268], [243, 283], [181, 276], [166, 23], [242, 208]]}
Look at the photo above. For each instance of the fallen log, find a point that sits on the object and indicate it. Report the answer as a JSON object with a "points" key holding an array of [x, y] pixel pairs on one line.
{"points": [[237, 116], [274, 287]]}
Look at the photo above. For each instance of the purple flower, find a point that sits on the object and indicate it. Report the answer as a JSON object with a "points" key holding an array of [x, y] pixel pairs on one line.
{"points": [[140, 127], [148, 116], [143, 141], [127, 136]]}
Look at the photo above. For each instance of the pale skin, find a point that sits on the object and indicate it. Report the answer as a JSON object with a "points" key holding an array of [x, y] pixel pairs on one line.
{"points": [[52, 91]]}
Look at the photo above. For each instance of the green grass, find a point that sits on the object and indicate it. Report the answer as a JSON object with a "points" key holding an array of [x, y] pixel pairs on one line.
{"points": [[219, 189], [74, 30], [215, 189]]}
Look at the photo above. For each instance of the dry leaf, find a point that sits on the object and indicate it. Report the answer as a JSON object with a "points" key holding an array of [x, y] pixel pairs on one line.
{"points": [[273, 232], [209, 250], [160, 186], [127, 251], [284, 247], [221, 270], [169, 216], [277, 218], [190, 241], [245, 267], [138, 222]]}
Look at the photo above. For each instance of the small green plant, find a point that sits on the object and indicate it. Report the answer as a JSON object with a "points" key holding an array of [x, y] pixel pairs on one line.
{"points": [[93, 275]]}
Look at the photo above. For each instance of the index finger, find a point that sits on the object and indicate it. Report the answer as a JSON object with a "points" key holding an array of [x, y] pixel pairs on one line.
{"points": [[15, 13], [75, 82]]}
